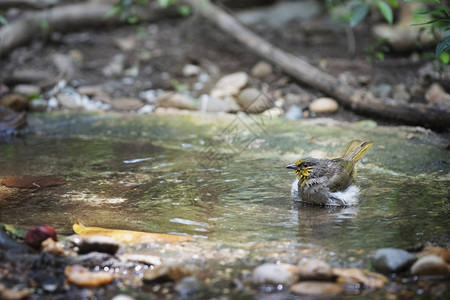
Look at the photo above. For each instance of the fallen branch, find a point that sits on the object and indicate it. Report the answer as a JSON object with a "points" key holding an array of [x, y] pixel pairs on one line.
{"points": [[69, 17], [359, 100]]}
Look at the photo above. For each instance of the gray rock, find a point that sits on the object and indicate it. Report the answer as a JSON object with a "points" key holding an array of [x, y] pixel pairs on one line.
{"points": [[122, 297], [430, 265], [436, 94], [294, 113], [115, 66], [382, 90], [190, 70], [187, 287], [27, 89], [392, 260], [254, 101], [274, 274]]}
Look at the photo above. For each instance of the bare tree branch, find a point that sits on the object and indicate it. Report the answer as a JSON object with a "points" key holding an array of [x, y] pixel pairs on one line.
{"points": [[359, 100]]}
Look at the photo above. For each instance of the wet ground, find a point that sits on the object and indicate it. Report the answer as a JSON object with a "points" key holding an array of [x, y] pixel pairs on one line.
{"points": [[223, 180]]}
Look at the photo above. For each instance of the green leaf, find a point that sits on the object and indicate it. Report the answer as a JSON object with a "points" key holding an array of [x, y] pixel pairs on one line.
{"points": [[445, 57], [443, 46], [437, 1], [3, 20], [385, 10], [394, 3], [185, 10], [359, 13]]}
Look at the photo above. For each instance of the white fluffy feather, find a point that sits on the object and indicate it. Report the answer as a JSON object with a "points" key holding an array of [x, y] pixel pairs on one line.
{"points": [[348, 197]]}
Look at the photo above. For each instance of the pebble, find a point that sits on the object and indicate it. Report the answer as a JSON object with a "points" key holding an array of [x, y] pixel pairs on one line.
{"points": [[438, 251], [187, 287], [275, 274], [436, 94], [65, 65], [175, 100], [382, 90], [315, 269], [399, 92], [27, 89], [115, 66], [122, 297], [294, 113], [261, 70], [274, 112], [96, 243], [127, 104], [164, 273], [16, 102], [230, 85], [392, 260], [38, 104], [254, 101], [324, 106], [316, 288], [190, 70], [213, 104], [90, 90], [430, 265]]}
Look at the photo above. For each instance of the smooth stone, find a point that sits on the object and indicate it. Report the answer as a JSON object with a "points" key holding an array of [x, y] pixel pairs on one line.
{"points": [[17, 102], [175, 100], [164, 273], [444, 253], [68, 101], [294, 113], [436, 94], [273, 112], [90, 90], [254, 101], [430, 265], [230, 85], [190, 70], [315, 269], [122, 297], [316, 288], [261, 70], [27, 89], [213, 104], [96, 243], [127, 104], [274, 274], [115, 67], [404, 37], [392, 260], [324, 106]]}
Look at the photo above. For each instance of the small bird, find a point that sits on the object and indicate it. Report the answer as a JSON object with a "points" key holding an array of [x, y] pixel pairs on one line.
{"points": [[329, 181]]}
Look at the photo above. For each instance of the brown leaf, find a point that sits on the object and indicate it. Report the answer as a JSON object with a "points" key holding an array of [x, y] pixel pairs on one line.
{"points": [[32, 182]]}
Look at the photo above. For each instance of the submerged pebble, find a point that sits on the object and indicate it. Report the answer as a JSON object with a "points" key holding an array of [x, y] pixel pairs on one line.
{"points": [[275, 274], [392, 260], [316, 288], [430, 265], [315, 269]]}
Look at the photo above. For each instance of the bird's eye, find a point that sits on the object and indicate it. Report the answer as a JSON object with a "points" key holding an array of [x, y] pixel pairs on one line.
{"points": [[298, 162]]}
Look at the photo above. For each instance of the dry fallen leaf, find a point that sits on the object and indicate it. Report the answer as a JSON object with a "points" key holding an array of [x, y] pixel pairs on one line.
{"points": [[129, 236], [81, 276]]}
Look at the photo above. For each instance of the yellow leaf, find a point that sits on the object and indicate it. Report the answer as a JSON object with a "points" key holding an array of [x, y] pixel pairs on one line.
{"points": [[129, 236]]}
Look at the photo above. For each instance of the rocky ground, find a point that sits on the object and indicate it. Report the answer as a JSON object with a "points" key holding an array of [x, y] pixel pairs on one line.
{"points": [[185, 64]]}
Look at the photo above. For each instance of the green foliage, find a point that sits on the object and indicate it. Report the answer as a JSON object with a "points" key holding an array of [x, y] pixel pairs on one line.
{"points": [[439, 17], [122, 10], [359, 9]]}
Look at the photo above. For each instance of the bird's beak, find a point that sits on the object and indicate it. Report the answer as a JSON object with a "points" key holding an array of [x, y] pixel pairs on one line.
{"points": [[292, 166]]}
